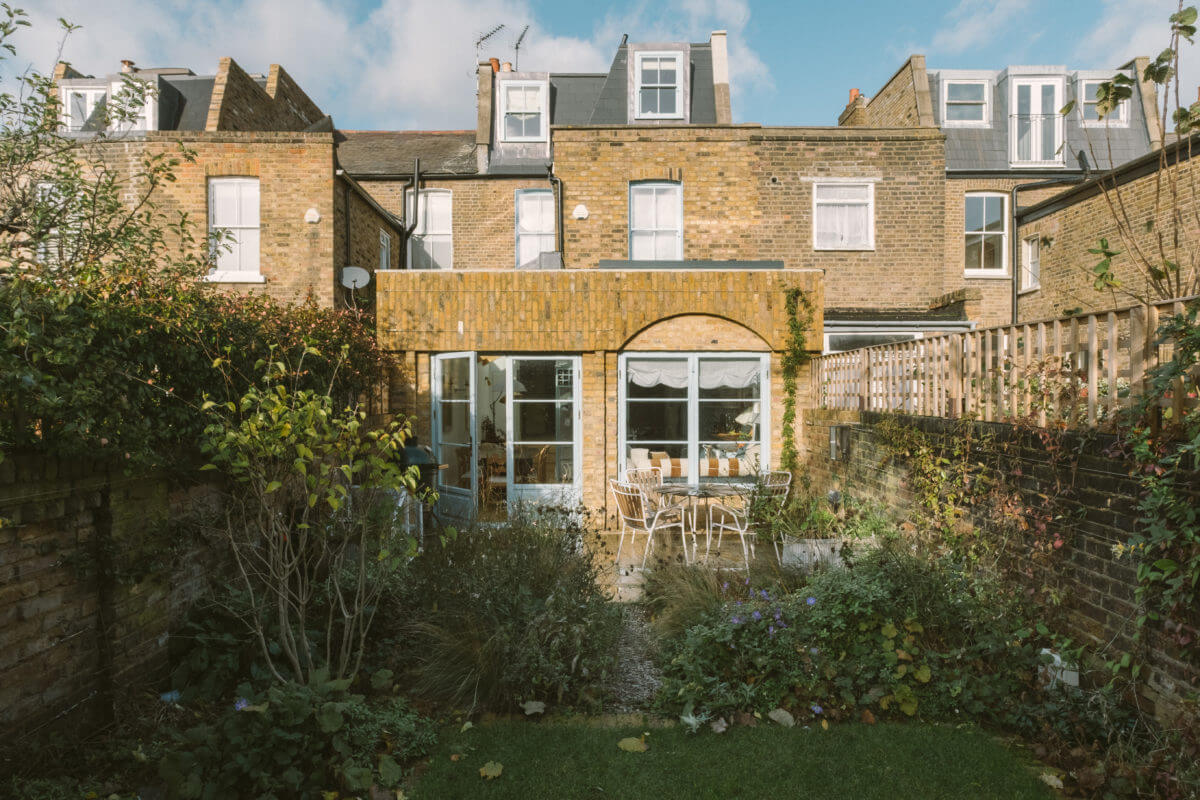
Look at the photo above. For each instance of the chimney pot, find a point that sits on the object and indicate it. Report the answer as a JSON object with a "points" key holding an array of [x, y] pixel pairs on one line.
{"points": [[126, 65], [853, 95], [495, 64], [506, 66]]}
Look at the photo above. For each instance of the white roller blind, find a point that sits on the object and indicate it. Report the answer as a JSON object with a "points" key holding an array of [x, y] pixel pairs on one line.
{"points": [[655, 222], [535, 225], [233, 207], [432, 246]]}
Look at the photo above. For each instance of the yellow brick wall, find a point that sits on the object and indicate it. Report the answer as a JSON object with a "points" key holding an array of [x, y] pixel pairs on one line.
{"points": [[1069, 233], [483, 215]]}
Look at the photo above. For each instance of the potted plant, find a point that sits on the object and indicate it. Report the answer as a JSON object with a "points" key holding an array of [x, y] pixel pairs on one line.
{"points": [[806, 533]]}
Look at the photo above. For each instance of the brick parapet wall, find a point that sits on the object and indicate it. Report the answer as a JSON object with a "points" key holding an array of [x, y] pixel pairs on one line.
{"points": [[1094, 491], [69, 641], [239, 103]]}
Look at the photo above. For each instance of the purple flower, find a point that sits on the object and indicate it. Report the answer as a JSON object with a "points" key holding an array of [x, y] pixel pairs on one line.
{"points": [[816, 709], [770, 630], [747, 580], [812, 601], [757, 616], [813, 650], [170, 697], [763, 594], [778, 615], [736, 620], [241, 705], [725, 586]]}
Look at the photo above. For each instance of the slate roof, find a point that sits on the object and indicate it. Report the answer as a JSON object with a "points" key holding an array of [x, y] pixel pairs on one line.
{"points": [[986, 149], [183, 102], [573, 97], [377, 153], [612, 104]]}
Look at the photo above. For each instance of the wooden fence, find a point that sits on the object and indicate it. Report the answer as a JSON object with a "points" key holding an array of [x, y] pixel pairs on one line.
{"points": [[1079, 370]]}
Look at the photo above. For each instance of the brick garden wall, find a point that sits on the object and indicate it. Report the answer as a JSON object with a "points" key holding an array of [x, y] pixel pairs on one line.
{"points": [[1097, 588], [72, 641]]}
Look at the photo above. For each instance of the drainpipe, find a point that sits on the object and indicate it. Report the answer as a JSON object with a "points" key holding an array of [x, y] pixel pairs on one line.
{"points": [[1014, 250], [556, 187], [415, 185]]}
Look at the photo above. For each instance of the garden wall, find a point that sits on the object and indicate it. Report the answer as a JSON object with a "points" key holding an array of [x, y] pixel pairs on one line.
{"points": [[93, 575], [1092, 500]]}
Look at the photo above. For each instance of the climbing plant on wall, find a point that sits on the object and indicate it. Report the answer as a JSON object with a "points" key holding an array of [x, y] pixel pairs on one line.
{"points": [[795, 356]]}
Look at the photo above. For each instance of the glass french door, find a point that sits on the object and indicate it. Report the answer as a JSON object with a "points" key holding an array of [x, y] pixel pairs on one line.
{"points": [[1037, 127], [454, 443], [508, 429]]}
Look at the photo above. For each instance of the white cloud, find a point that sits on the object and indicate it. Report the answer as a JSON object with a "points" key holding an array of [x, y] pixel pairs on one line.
{"points": [[973, 23], [1125, 29], [401, 64]]}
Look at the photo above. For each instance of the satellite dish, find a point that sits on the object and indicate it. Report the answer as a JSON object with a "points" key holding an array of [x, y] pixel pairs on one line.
{"points": [[355, 277]]}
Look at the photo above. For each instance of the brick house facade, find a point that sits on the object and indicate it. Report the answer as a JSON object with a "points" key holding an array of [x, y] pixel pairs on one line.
{"points": [[301, 221]]}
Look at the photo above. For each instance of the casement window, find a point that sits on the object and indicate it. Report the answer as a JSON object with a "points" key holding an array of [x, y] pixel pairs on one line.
{"points": [[986, 231], [660, 85], [233, 216], [966, 103], [656, 221], [385, 250], [523, 111], [138, 97], [534, 225], [432, 244], [78, 105], [843, 215], [1031, 263], [1036, 127], [49, 206], [698, 417], [1089, 109]]}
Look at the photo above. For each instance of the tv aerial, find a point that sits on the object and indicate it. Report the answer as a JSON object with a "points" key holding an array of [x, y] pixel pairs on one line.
{"points": [[517, 49]]}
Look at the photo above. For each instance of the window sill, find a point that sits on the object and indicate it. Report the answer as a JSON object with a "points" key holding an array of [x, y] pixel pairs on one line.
{"points": [[668, 117], [1103, 124], [234, 277], [864, 249], [994, 274], [962, 124], [523, 139], [1030, 290], [1036, 165]]}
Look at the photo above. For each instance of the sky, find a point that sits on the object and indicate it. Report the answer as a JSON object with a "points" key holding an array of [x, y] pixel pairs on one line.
{"points": [[409, 64]]}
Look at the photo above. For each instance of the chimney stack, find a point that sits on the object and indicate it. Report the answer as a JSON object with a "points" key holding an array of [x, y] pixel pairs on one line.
{"points": [[853, 95], [720, 69], [495, 62], [126, 66], [483, 106]]}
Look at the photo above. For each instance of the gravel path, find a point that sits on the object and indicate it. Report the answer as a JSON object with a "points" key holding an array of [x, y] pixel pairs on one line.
{"points": [[637, 677]]}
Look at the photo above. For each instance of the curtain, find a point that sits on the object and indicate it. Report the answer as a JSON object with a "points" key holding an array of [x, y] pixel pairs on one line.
{"points": [[713, 374]]}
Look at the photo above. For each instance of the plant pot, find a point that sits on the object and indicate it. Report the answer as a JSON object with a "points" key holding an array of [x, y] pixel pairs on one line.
{"points": [[808, 553]]}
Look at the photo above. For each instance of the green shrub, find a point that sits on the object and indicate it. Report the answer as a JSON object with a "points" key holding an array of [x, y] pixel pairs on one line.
{"points": [[892, 633], [295, 741], [511, 613]]}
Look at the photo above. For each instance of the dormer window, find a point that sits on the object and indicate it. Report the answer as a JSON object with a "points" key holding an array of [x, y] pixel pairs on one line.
{"points": [[966, 103], [134, 102], [660, 85], [78, 105], [523, 110], [1089, 106], [1035, 129]]}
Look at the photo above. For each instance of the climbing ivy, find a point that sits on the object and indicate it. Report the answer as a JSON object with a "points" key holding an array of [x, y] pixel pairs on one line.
{"points": [[799, 314]]}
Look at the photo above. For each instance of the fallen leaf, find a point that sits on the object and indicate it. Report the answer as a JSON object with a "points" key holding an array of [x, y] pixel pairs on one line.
{"points": [[1051, 780], [867, 717], [825, 724], [491, 770], [466, 726], [719, 725], [533, 707], [783, 717], [633, 744], [903, 656], [455, 756]]}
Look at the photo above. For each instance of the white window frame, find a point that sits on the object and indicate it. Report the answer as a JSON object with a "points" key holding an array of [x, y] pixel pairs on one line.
{"points": [[419, 231], [1039, 119], [1118, 119], [677, 186], [1004, 214], [94, 96], [870, 205], [680, 77], [147, 116], [1031, 253], [240, 275], [986, 122], [693, 405], [543, 109], [385, 250], [552, 233]]}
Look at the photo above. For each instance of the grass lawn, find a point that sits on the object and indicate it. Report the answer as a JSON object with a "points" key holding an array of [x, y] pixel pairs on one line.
{"points": [[560, 760]]}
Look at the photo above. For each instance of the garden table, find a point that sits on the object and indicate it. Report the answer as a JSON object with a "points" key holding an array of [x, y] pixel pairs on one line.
{"points": [[694, 493]]}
